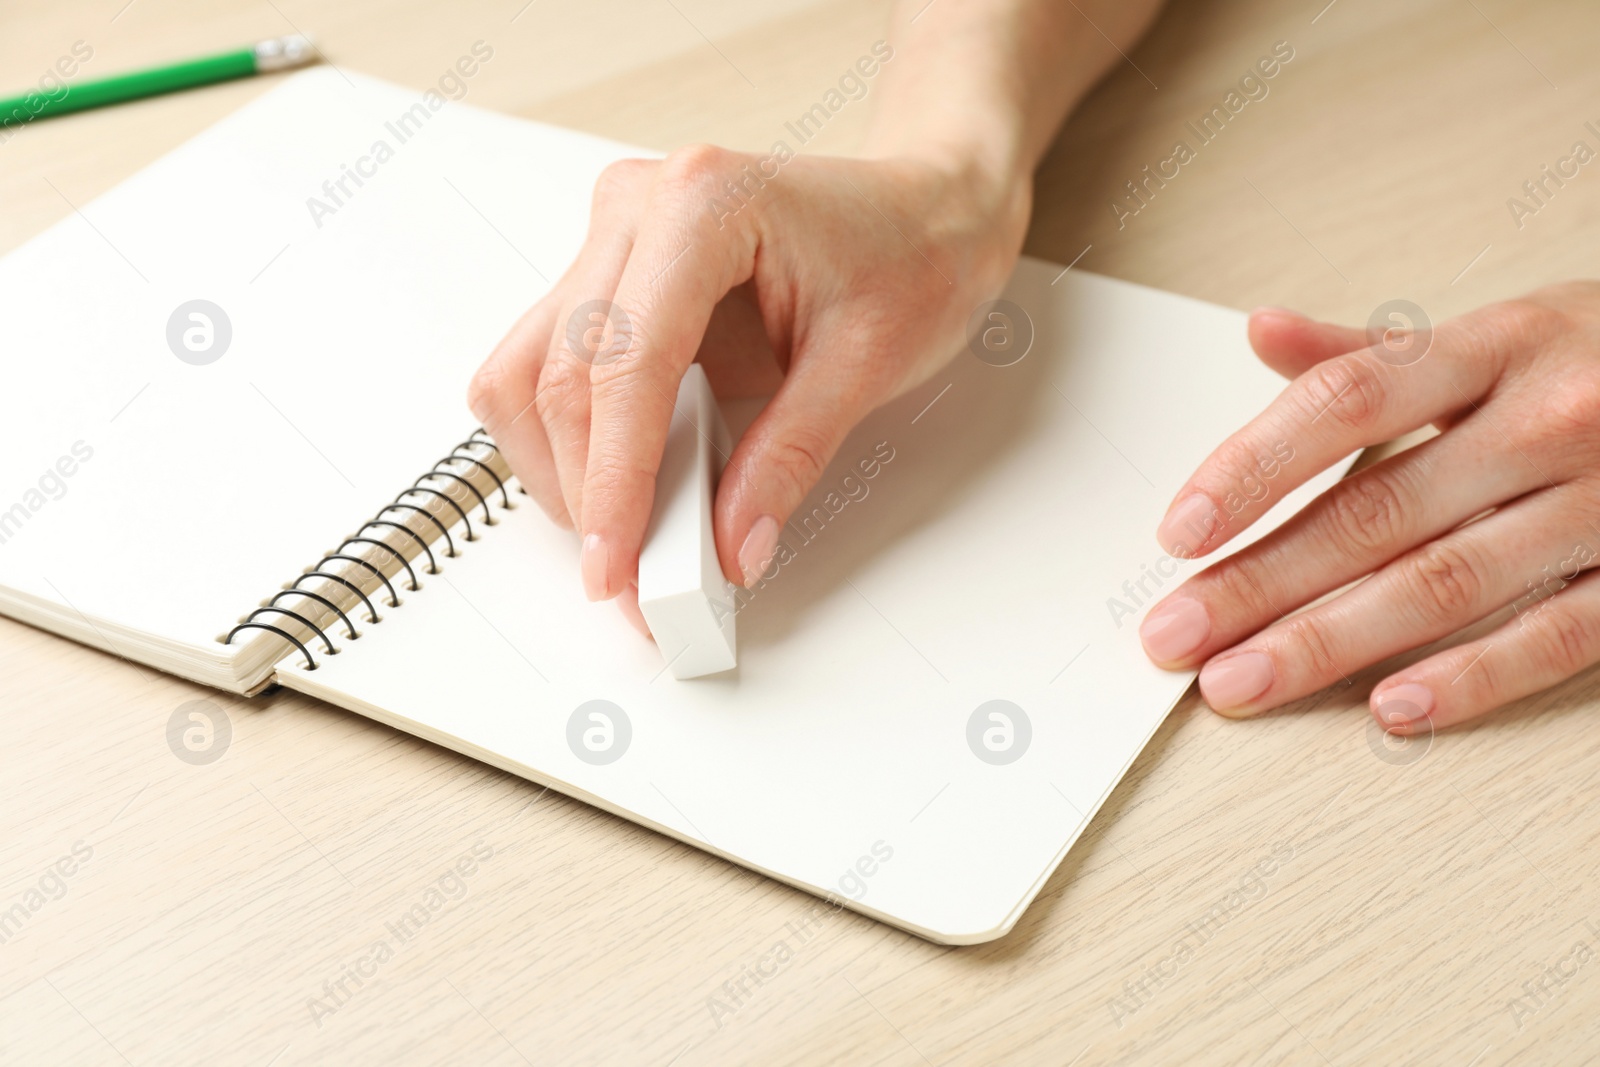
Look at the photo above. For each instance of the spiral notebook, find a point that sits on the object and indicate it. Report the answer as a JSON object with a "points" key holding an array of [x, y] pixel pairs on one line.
{"points": [[236, 449]]}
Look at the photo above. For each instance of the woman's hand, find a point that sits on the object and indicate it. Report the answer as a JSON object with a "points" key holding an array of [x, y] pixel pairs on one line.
{"points": [[833, 284], [1501, 508]]}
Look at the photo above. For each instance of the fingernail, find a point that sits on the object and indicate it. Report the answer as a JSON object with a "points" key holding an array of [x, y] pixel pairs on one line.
{"points": [[592, 564], [1188, 526], [1287, 313], [629, 603], [1405, 703], [756, 552], [1234, 682], [1175, 629]]}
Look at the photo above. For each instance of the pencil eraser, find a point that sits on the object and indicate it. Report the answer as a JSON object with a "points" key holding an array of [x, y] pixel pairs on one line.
{"points": [[686, 601]]}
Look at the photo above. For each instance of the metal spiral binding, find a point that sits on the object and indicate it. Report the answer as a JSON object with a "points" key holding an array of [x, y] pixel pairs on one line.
{"points": [[439, 472]]}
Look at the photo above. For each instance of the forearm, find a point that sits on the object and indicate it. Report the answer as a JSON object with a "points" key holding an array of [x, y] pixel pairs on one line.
{"points": [[985, 84]]}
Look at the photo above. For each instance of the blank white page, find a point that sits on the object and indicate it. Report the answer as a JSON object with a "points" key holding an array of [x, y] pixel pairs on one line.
{"points": [[352, 344], [1007, 507]]}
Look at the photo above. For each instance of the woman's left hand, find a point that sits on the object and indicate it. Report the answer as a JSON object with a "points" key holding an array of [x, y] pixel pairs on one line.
{"points": [[1502, 507]]}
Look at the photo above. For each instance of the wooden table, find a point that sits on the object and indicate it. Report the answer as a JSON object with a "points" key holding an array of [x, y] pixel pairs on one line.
{"points": [[1340, 904]]}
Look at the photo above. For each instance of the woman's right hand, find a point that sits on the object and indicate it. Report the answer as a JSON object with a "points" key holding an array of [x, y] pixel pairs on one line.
{"points": [[832, 284]]}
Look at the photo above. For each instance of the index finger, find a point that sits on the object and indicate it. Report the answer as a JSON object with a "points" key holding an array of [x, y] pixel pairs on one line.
{"points": [[680, 268], [1342, 404]]}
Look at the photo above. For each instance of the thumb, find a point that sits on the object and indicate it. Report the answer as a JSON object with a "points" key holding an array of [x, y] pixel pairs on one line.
{"points": [[1290, 343], [778, 462]]}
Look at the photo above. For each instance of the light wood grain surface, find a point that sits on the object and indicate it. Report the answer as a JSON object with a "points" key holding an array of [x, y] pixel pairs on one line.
{"points": [[1338, 903]]}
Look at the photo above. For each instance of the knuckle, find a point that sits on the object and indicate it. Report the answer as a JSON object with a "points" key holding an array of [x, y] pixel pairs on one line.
{"points": [[800, 457], [695, 169], [1365, 514], [617, 478], [1238, 581], [619, 179], [1524, 322], [1239, 482], [559, 387], [1444, 580], [639, 363], [1309, 630], [1348, 390], [1567, 640], [1484, 679], [1572, 410]]}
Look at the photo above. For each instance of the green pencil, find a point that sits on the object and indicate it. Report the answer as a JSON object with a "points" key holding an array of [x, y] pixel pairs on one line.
{"points": [[279, 53]]}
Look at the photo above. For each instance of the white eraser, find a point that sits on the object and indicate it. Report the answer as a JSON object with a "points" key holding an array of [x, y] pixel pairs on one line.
{"points": [[686, 601]]}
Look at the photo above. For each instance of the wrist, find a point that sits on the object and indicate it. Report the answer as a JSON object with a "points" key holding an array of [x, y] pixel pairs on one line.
{"points": [[987, 158], [978, 151], [979, 196], [978, 190]]}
